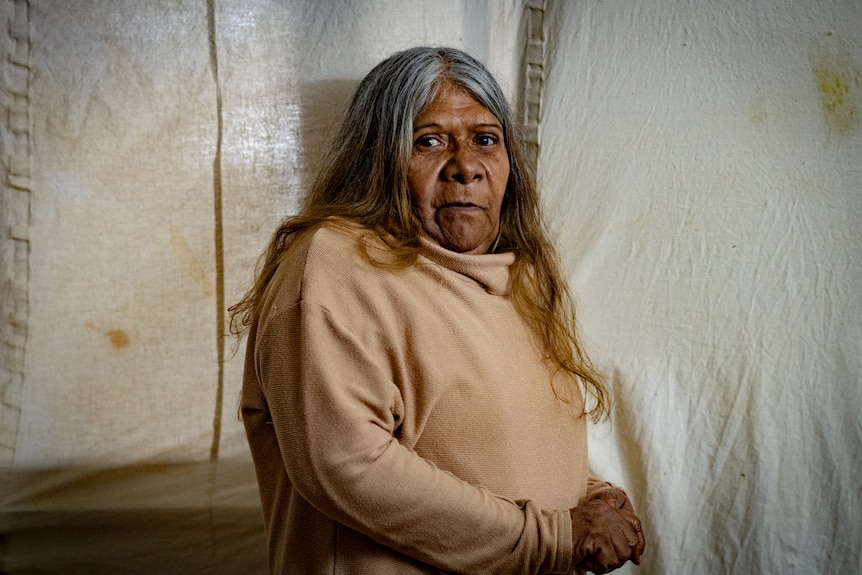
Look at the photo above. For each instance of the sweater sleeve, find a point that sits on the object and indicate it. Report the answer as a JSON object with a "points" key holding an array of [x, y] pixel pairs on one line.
{"points": [[336, 417]]}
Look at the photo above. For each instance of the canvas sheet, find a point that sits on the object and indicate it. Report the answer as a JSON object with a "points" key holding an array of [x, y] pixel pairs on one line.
{"points": [[705, 163], [702, 164]]}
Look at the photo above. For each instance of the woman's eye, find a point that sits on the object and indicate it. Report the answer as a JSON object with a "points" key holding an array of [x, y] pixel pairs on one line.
{"points": [[486, 140], [428, 142]]}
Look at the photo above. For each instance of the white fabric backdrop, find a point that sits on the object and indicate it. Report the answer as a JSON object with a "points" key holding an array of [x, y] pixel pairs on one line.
{"points": [[703, 163]]}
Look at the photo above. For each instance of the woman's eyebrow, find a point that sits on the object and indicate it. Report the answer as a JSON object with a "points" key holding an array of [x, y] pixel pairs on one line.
{"points": [[417, 127], [490, 125], [484, 125]]}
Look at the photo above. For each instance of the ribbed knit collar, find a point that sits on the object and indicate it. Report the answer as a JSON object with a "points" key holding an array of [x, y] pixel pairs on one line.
{"points": [[490, 270]]}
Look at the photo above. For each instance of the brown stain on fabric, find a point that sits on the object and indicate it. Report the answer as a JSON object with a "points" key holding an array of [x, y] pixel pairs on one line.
{"points": [[191, 262], [119, 338]]}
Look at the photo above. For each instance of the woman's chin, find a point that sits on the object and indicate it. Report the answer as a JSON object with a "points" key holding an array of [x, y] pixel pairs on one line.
{"points": [[467, 245]]}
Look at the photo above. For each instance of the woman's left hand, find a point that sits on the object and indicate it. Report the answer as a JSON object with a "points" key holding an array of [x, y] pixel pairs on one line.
{"points": [[617, 498]]}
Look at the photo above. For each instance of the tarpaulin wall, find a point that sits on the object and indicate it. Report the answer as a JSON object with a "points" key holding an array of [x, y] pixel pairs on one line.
{"points": [[702, 162]]}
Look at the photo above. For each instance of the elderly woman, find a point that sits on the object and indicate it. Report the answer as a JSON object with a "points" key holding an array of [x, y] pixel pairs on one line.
{"points": [[413, 389]]}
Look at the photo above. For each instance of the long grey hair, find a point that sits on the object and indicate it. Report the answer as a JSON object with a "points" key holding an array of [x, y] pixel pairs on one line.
{"points": [[366, 171], [364, 180]]}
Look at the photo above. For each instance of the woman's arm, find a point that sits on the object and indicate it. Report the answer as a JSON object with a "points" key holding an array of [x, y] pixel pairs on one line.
{"points": [[336, 415]]}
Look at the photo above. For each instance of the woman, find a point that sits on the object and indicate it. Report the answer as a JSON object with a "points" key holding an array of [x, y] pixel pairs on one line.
{"points": [[411, 392]]}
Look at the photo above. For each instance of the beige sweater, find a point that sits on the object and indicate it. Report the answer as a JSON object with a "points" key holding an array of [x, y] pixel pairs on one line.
{"points": [[404, 421]]}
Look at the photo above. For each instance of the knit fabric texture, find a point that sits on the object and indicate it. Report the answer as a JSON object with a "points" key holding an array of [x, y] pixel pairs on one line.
{"points": [[405, 420]]}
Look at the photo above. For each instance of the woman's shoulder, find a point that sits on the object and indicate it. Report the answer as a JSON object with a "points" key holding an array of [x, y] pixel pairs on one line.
{"points": [[337, 243], [326, 256], [335, 235]]}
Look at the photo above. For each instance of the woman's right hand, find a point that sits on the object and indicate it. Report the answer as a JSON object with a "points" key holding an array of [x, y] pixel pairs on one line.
{"points": [[605, 536]]}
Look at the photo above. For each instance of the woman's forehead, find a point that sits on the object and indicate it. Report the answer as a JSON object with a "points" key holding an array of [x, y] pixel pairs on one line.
{"points": [[452, 102]]}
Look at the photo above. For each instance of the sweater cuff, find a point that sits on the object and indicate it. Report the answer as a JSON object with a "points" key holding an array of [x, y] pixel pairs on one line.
{"points": [[564, 544]]}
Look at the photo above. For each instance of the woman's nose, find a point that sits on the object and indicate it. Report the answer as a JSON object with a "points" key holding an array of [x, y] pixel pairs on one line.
{"points": [[463, 166]]}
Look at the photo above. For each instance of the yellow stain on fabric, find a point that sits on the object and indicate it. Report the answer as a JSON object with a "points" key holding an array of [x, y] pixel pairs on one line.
{"points": [[835, 96], [190, 261], [833, 90], [838, 81]]}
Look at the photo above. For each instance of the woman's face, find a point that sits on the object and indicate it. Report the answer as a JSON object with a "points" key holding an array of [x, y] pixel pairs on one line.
{"points": [[458, 172]]}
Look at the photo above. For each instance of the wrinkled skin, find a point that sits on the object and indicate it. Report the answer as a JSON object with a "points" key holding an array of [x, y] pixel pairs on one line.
{"points": [[606, 532], [458, 172], [457, 176]]}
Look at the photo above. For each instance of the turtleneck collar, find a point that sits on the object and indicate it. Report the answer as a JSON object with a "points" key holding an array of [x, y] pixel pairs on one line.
{"points": [[489, 270]]}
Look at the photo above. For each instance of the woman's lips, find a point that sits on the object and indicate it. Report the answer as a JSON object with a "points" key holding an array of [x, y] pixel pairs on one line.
{"points": [[459, 206]]}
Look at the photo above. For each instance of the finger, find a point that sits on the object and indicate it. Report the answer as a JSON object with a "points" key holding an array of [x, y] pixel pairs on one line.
{"points": [[624, 542], [638, 551], [588, 565], [612, 556], [637, 527], [627, 505], [592, 567], [613, 497], [623, 501], [630, 518]]}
